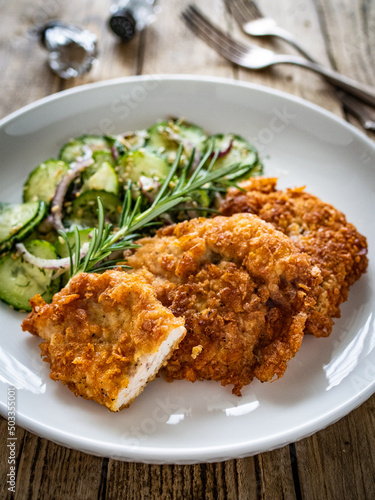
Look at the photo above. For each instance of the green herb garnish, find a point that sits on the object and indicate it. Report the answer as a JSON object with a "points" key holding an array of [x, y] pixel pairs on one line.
{"points": [[106, 243]]}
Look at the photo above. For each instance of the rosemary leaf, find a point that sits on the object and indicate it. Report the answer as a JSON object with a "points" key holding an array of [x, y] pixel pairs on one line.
{"points": [[65, 238], [106, 240]]}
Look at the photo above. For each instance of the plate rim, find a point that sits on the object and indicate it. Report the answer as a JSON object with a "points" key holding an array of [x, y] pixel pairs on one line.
{"points": [[211, 453], [181, 77]]}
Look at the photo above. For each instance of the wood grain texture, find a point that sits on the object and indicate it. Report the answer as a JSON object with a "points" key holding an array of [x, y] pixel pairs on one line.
{"points": [[176, 50], [335, 463], [328, 471], [301, 18], [348, 31]]}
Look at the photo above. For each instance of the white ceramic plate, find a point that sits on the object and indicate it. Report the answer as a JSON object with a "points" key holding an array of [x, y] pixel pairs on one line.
{"points": [[183, 422]]}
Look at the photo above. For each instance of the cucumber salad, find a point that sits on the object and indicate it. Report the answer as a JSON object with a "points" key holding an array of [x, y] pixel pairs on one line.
{"points": [[141, 172]]}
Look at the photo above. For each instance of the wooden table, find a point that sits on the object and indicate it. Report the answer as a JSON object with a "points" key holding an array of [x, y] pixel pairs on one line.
{"points": [[335, 463]]}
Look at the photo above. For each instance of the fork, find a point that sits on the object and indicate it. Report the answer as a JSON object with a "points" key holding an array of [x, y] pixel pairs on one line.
{"points": [[255, 57], [253, 23]]}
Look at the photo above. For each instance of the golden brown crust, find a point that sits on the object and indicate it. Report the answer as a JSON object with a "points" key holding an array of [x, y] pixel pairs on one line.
{"points": [[316, 228], [243, 289], [96, 330]]}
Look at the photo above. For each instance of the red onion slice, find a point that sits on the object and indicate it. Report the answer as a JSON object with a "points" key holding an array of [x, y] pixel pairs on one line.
{"points": [[225, 151], [53, 264], [62, 187], [114, 152]]}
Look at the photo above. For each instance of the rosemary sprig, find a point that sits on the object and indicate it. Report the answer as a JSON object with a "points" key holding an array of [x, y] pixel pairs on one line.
{"points": [[104, 242]]}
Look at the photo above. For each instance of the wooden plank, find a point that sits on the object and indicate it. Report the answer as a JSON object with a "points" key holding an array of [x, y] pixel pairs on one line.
{"points": [[307, 21], [266, 476], [44, 468], [351, 42], [23, 62], [116, 59], [20, 434], [275, 473], [170, 481], [300, 19], [325, 471], [25, 76], [172, 48], [339, 461]]}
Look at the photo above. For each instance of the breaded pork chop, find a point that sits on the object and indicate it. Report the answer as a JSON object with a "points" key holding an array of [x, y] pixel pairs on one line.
{"points": [[105, 336], [243, 289], [316, 228]]}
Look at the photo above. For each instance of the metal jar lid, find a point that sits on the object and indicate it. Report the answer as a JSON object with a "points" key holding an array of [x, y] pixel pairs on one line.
{"points": [[123, 24]]}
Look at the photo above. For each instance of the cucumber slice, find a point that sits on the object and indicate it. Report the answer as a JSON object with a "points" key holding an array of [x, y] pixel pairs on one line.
{"points": [[62, 247], [43, 180], [235, 149], [130, 141], [84, 146], [28, 228], [139, 163], [100, 157], [17, 221], [101, 175], [83, 210], [20, 280], [104, 178], [166, 137]]}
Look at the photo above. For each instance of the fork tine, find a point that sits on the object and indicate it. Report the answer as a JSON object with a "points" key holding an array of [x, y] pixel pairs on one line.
{"points": [[249, 9], [211, 35], [210, 39], [222, 42], [236, 12]]}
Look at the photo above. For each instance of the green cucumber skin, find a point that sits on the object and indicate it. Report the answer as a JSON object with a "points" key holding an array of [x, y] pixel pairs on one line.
{"points": [[139, 163], [100, 176], [26, 229], [129, 142], [62, 247], [242, 152], [75, 148], [14, 217], [20, 280], [159, 139], [43, 181], [83, 210], [33, 224], [102, 156]]}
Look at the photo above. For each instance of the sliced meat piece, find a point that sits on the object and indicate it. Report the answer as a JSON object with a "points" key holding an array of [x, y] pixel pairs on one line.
{"points": [[106, 335]]}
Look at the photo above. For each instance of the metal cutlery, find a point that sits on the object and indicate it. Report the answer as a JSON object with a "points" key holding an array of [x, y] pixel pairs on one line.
{"points": [[252, 22], [254, 57]]}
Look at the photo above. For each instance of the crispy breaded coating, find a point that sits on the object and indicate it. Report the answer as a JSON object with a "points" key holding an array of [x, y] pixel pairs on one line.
{"points": [[318, 229], [105, 336], [243, 289]]}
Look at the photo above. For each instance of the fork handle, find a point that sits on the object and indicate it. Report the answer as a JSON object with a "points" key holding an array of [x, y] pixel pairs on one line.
{"points": [[356, 108], [289, 38], [363, 92]]}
